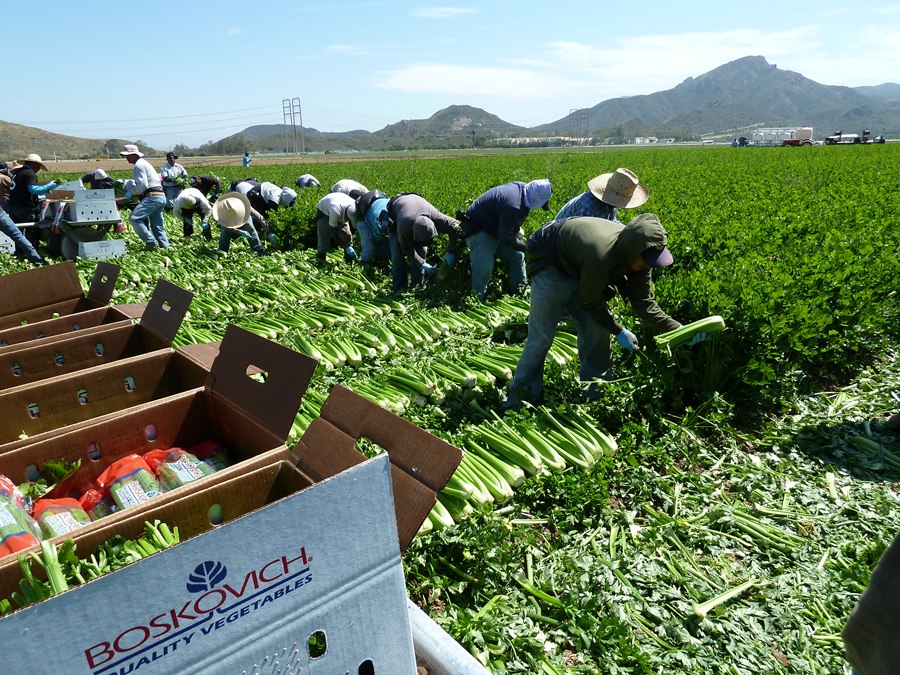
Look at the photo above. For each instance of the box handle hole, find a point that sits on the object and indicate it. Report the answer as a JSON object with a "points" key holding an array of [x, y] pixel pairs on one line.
{"points": [[216, 514], [17, 369], [129, 384], [34, 410], [59, 358], [83, 396], [94, 452], [150, 432], [32, 473], [317, 645]]}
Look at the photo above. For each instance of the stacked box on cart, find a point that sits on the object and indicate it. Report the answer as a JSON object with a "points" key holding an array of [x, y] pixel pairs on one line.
{"points": [[305, 546], [51, 357], [52, 291]]}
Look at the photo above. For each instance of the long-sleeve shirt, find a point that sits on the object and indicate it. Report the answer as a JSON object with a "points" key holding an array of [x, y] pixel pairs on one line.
{"points": [[144, 177], [334, 205], [412, 214], [500, 212], [347, 186], [191, 199], [599, 252], [586, 204], [171, 172]]}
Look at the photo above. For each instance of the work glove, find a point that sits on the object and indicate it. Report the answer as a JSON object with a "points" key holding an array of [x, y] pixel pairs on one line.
{"points": [[627, 340], [429, 270], [450, 259], [271, 238], [350, 254], [204, 228], [697, 338]]}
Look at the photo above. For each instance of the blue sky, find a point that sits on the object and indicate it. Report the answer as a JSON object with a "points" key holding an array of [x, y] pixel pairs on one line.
{"points": [[189, 72]]}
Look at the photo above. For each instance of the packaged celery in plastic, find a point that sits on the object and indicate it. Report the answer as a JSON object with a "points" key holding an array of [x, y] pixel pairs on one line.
{"points": [[18, 530], [96, 504], [176, 467], [212, 452], [129, 481], [60, 516]]}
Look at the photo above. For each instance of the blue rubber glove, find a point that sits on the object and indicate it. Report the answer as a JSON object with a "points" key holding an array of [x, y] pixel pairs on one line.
{"points": [[271, 238], [450, 259], [697, 338], [350, 254], [429, 270], [627, 339]]}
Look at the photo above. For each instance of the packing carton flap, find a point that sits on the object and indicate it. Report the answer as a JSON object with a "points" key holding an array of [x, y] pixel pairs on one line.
{"points": [[274, 401], [133, 310], [38, 287], [429, 459], [103, 284], [166, 309], [421, 464]]}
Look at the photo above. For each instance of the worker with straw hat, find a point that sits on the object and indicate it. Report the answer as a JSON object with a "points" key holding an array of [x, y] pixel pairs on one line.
{"points": [[606, 192], [234, 213]]}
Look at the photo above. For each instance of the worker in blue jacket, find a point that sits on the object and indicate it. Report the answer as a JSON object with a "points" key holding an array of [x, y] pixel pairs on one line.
{"points": [[492, 225]]}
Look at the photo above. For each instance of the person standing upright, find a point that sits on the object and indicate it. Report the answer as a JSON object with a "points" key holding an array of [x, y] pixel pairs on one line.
{"points": [[173, 177], [147, 186], [246, 159]]}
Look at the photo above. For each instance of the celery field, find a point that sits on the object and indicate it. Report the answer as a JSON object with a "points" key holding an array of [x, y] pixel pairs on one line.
{"points": [[720, 507]]}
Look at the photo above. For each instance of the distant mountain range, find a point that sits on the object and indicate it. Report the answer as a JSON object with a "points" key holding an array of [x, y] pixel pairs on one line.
{"points": [[730, 100]]}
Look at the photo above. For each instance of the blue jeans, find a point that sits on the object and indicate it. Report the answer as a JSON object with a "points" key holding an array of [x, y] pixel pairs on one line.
{"points": [[150, 208], [8, 227], [172, 192], [553, 295], [246, 231], [401, 267], [372, 248], [483, 249]]}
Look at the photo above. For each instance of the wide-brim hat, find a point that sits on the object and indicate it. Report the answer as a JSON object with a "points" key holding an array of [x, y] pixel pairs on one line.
{"points": [[131, 149], [232, 210], [35, 159], [620, 188]]}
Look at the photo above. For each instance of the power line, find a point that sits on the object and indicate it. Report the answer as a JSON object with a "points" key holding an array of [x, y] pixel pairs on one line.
{"points": [[155, 119]]}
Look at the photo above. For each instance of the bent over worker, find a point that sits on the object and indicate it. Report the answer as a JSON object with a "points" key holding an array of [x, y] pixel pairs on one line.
{"points": [[492, 228], [572, 263]]}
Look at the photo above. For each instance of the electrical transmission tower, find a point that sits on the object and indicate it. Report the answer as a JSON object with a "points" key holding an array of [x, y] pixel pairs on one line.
{"points": [[579, 122], [293, 117]]}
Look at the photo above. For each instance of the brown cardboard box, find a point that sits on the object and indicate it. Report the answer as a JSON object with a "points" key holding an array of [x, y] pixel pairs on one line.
{"points": [[87, 321], [47, 292], [55, 356], [277, 549], [50, 405]]}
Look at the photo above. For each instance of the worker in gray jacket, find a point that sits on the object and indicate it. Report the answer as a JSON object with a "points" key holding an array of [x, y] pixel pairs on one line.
{"points": [[572, 263], [416, 224]]}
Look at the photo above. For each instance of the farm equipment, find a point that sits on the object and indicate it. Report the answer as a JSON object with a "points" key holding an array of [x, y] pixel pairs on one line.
{"points": [[802, 137], [78, 216], [840, 138]]}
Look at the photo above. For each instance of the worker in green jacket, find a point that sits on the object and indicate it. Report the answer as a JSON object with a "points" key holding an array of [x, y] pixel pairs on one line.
{"points": [[575, 266]]}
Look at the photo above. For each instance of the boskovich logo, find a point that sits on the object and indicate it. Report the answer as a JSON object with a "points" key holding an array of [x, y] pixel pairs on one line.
{"points": [[216, 602]]}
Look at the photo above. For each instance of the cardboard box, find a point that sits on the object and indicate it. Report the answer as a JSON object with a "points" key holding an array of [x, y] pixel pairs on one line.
{"points": [[42, 292], [101, 250], [121, 315], [309, 542], [51, 405], [54, 356], [304, 559]]}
